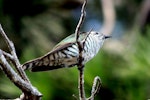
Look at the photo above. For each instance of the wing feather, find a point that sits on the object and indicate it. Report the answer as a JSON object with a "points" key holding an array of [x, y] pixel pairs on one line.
{"points": [[57, 58]]}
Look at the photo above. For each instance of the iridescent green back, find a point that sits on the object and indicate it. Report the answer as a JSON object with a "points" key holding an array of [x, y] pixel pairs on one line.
{"points": [[70, 39]]}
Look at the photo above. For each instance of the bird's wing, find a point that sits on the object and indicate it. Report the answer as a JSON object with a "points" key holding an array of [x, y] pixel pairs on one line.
{"points": [[70, 39], [62, 55]]}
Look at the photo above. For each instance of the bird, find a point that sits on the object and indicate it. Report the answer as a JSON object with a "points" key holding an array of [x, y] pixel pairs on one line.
{"points": [[66, 53]]}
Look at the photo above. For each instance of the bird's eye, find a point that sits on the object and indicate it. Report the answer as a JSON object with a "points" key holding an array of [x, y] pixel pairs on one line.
{"points": [[96, 33]]}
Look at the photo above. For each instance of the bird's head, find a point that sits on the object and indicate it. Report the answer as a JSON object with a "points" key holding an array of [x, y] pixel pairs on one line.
{"points": [[99, 36]]}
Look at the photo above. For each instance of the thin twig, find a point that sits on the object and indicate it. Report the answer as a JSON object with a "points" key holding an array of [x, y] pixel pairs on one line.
{"points": [[80, 47], [81, 73], [75, 97], [7, 55], [86, 37], [82, 17], [96, 85], [95, 88], [13, 53]]}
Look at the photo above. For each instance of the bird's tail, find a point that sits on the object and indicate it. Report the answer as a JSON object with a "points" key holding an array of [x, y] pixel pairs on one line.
{"points": [[41, 64], [30, 65]]}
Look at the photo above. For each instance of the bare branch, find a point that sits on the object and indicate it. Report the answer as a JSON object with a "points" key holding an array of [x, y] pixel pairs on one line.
{"points": [[96, 85], [95, 88], [21, 80], [86, 37], [82, 17], [77, 34], [81, 84], [80, 47], [7, 55], [75, 97], [9, 43], [13, 76], [13, 53], [97, 81]]}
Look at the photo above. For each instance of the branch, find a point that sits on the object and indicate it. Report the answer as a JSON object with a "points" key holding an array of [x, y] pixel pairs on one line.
{"points": [[14, 57], [82, 17], [21, 80], [95, 88], [80, 48], [13, 76], [97, 81]]}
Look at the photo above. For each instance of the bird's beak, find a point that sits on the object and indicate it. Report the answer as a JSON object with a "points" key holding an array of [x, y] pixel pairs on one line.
{"points": [[105, 37]]}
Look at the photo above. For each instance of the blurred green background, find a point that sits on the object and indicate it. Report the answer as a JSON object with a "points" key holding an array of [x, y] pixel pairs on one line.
{"points": [[36, 26]]}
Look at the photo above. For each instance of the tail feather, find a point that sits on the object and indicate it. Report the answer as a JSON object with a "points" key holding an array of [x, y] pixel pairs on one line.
{"points": [[30, 64], [40, 64], [37, 65]]}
